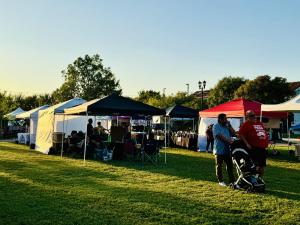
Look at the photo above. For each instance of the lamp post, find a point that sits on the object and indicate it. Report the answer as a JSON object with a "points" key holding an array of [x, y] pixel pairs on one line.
{"points": [[164, 92], [201, 88], [188, 88]]}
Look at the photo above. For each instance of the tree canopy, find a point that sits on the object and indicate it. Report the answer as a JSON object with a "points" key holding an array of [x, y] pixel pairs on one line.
{"points": [[10, 102], [161, 101], [224, 90], [266, 90], [87, 78]]}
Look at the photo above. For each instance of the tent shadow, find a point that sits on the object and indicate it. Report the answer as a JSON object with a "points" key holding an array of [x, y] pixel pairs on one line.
{"points": [[200, 168], [280, 181], [145, 205], [178, 165]]}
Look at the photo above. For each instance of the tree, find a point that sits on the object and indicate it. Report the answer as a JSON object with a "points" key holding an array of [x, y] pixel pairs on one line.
{"points": [[145, 95], [180, 98], [87, 78], [265, 90], [224, 90], [10, 102]]}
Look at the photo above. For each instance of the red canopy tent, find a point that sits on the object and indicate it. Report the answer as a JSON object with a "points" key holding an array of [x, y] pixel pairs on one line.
{"points": [[238, 108]]}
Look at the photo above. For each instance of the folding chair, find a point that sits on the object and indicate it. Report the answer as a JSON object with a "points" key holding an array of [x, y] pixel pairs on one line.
{"points": [[150, 152]]}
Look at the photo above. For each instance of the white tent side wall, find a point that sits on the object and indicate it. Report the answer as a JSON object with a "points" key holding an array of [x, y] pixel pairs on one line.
{"points": [[33, 119], [44, 130], [205, 122], [33, 129], [70, 123]]}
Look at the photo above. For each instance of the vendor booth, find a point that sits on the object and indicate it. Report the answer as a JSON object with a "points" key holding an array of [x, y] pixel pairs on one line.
{"points": [[114, 105], [48, 120], [12, 115], [235, 111], [12, 127], [292, 106], [32, 116], [181, 121]]}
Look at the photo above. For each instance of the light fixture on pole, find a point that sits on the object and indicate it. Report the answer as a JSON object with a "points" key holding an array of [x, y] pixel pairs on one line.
{"points": [[164, 92], [201, 88], [188, 88]]}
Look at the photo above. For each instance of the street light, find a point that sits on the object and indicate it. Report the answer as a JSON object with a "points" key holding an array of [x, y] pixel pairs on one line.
{"points": [[188, 88], [201, 88]]}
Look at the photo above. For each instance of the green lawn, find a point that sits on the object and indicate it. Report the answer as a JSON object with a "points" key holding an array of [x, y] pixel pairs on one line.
{"points": [[41, 189]]}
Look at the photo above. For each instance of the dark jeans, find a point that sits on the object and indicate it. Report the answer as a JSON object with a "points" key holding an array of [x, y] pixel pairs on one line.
{"points": [[229, 167], [211, 143]]}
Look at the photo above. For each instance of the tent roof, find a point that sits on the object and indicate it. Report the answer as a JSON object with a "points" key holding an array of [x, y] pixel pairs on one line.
{"points": [[12, 115], [238, 108], [26, 115], [293, 105], [115, 105], [60, 107], [178, 111]]}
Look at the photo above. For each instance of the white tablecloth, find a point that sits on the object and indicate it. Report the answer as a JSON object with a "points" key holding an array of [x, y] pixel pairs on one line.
{"points": [[23, 138]]}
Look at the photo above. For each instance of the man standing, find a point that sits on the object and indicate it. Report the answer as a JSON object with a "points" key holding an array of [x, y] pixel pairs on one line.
{"points": [[253, 134], [222, 134]]}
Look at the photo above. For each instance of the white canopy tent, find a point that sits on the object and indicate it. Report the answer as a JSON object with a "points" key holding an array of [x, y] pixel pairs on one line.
{"points": [[12, 115], [292, 105], [32, 115], [47, 123], [27, 114]]}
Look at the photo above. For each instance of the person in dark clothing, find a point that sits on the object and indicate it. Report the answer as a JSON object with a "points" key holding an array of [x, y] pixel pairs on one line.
{"points": [[89, 128], [210, 138]]}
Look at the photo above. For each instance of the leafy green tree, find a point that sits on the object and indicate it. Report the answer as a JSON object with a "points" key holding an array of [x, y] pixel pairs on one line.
{"points": [[180, 98], [87, 78], [224, 90], [266, 90], [7, 103], [10, 102], [145, 95]]}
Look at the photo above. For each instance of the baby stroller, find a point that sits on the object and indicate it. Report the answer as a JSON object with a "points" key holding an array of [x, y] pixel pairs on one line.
{"points": [[248, 178]]}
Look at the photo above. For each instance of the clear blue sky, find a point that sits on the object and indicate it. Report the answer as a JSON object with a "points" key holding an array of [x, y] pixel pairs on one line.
{"points": [[149, 44]]}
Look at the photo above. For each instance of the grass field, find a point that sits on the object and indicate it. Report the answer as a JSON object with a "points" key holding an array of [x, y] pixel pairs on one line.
{"points": [[42, 189]]}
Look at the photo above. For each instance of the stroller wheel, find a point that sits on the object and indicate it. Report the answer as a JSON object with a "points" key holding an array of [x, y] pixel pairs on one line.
{"points": [[232, 186], [249, 190]]}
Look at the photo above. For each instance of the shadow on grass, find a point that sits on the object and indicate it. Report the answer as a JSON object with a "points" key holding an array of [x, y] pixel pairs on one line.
{"points": [[57, 202], [281, 182]]}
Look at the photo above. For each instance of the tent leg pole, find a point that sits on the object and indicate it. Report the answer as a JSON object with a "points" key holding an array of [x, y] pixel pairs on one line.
{"points": [[62, 138], [169, 131], [85, 140], [193, 125], [165, 140], [288, 132]]}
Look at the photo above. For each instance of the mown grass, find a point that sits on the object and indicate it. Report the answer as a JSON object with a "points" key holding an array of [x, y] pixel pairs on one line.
{"points": [[42, 189]]}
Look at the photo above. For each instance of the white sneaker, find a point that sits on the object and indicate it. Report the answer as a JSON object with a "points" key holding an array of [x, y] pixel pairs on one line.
{"points": [[222, 184]]}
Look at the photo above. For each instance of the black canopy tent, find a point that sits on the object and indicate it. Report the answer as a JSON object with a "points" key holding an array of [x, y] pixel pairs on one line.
{"points": [[113, 105], [178, 111]]}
